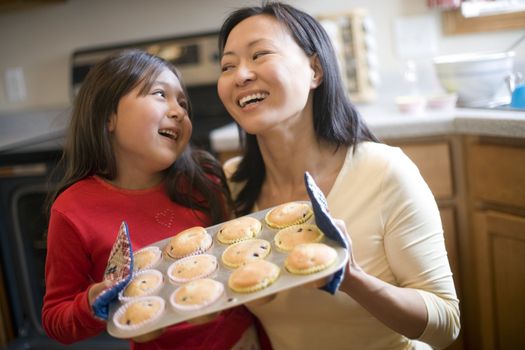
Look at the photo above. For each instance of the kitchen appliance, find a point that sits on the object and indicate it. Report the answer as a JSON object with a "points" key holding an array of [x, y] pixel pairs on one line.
{"points": [[197, 58], [30, 145], [23, 187]]}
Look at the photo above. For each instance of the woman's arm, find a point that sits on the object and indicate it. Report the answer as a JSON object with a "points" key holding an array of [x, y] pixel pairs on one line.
{"points": [[422, 302], [401, 309]]}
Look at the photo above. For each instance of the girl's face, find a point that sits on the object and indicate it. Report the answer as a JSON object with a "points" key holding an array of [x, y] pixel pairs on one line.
{"points": [[149, 132], [266, 77]]}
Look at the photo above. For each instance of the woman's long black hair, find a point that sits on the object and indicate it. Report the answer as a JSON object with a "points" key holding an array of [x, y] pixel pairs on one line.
{"points": [[335, 118], [195, 180]]}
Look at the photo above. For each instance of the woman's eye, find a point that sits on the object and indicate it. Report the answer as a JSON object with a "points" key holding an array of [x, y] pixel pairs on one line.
{"points": [[259, 54], [226, 67]]}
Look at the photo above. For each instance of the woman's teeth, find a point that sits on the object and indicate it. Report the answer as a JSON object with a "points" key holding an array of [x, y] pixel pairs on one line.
{"points": [[169, 133], [252, 98]]}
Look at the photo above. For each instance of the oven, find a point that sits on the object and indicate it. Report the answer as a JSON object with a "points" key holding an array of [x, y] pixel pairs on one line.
{"points": [[197, 58], [30, 146], [24, 183]]}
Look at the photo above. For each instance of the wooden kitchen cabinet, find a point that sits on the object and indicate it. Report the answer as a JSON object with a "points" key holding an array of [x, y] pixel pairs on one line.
{"points": [[496, 172], [500, 246]]}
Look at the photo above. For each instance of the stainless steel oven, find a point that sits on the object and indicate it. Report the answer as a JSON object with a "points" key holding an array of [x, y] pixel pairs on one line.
{"points": [[196, 56], [24, 183]]}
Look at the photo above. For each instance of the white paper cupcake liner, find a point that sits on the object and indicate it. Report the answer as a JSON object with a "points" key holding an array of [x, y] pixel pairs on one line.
{"points": [[206, 303], [204, 246], [151, 291], [120, 312], [157, 258], [206, 273]]}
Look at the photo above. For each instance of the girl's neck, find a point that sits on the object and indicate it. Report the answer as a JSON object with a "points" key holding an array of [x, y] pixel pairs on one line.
{"points": [[136, 181]]}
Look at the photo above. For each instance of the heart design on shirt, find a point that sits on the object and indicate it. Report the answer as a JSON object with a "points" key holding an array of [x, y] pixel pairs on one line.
{"points": [[165, 217]]}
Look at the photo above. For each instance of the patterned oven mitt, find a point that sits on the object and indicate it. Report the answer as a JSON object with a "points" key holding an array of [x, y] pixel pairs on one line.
{"points": [[325, 222], [118, 272]]}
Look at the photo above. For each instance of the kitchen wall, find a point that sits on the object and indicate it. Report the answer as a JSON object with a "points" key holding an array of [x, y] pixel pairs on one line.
{"points": [[40, 40]]}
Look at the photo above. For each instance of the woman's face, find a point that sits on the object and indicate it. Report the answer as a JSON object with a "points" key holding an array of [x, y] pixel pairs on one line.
{"points": [[266, 77], [149, 132]]}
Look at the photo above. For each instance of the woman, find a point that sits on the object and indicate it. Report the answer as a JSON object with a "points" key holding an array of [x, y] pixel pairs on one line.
{"points": [[281, 84]]}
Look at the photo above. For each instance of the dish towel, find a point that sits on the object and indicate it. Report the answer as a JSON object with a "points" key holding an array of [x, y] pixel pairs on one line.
{"points": [[325, 222], [118, 272]]}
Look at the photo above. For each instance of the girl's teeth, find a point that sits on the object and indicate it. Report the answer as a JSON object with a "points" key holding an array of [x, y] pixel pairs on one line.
{"points": [[168, 133]]}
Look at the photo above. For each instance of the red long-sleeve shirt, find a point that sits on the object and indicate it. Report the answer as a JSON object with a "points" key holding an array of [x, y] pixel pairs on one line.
{"points": [[84, 223]]}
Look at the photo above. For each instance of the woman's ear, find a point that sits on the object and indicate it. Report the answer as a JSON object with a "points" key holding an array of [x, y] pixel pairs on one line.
{"points": [[112, 122], [317, 69]]}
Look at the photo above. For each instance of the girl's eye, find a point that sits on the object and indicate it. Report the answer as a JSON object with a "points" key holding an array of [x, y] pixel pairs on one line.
{"points": [[159, 93], [184, 104]]}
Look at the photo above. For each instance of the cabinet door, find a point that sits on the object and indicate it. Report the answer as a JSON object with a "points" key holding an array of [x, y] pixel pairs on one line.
{"points": [[449, 227], [434, 164], [501, 279], [497, 173], [449, 230]]}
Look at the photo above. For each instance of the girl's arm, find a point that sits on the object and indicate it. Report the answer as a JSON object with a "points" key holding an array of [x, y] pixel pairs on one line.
{"points": [[66, 312]]}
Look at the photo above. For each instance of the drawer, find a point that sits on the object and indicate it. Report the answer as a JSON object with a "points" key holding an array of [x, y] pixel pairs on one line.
{"points": [[434, 163], [496, 173]]}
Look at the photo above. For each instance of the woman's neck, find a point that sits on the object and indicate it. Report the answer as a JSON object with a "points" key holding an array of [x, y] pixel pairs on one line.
{"points": [[287, 158]]}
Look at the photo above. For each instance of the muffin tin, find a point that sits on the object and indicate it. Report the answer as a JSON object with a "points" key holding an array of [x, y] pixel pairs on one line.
{"points": [[229, 299]]}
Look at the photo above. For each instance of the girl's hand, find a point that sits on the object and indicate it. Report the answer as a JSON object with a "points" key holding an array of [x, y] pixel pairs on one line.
{"points": [[96, 289]]}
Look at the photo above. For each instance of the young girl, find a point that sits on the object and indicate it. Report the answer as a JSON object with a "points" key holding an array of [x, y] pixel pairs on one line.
{"points": [[127, 158], [281, 84]]}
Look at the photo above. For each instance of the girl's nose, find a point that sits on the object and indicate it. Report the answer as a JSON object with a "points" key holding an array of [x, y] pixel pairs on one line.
{"points": [[176, 112], [244, 75]]}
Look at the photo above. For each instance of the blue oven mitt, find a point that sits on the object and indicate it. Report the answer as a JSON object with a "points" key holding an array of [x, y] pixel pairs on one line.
{"points": [[119, 271], [325, 222]]}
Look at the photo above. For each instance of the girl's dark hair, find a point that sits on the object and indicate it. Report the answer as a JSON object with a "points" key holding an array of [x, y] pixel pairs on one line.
{"points": [[195, 180], [335, 118]]}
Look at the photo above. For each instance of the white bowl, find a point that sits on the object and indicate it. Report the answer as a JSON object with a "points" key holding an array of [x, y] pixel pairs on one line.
{"points": [[477, 78]]}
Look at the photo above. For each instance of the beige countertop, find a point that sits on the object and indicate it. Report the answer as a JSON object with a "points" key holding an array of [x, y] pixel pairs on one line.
{"points": [[388, 123]]}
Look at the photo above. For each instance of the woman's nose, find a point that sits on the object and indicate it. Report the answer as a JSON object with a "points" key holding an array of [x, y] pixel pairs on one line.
{"points": [[244, 74]]}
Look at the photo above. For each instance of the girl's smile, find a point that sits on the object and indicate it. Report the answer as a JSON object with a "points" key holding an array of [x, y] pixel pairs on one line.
{"points": [[150, 130]]}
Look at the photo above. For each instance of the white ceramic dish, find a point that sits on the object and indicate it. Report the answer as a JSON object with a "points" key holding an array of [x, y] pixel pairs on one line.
{"points": [[477, 78]]}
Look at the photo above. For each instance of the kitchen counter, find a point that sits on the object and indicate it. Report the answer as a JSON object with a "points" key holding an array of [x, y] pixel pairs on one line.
{"points": [[388, 123], [33, 130]]}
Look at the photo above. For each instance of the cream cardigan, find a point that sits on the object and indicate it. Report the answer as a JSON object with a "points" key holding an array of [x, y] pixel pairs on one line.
{"points": [[397, 236]]}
